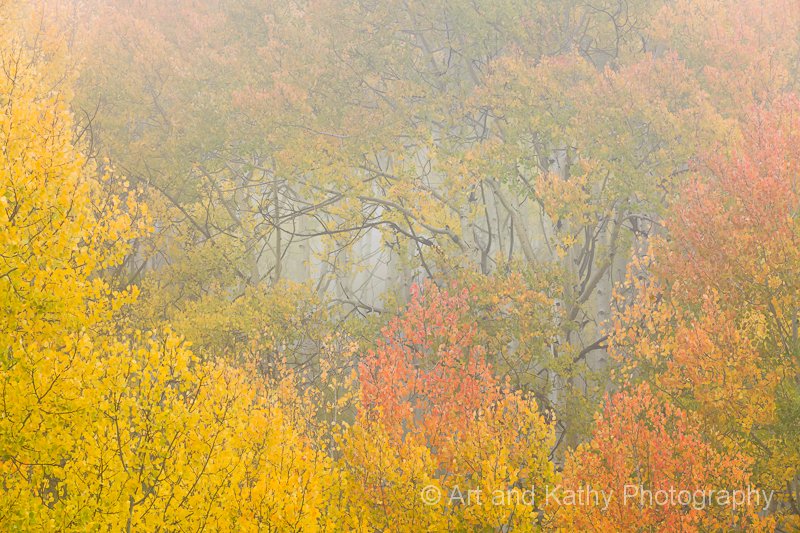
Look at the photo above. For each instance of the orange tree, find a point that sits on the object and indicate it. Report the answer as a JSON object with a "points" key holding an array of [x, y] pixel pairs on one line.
{"points": [[657, 471], [434, 417], [714, 323]]}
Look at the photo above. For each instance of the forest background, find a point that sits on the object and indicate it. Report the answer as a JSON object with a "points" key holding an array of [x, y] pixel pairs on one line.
{"points": [[288, 265]]}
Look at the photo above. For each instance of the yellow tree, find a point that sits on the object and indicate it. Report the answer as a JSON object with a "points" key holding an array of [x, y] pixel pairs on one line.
{"points": [[101, 426]]}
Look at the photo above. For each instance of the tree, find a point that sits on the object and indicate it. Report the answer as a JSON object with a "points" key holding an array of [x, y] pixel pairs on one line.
{"points": [[714, 324], [433, 414], [427, 374], [365, 146], [103, 426], [644, 450]]}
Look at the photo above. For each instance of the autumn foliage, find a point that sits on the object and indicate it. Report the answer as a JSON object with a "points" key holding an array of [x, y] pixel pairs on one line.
{"points": [[399, 266], [427, 392], [427, 375], [103, 426], [715, 326], [642, 446]]}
